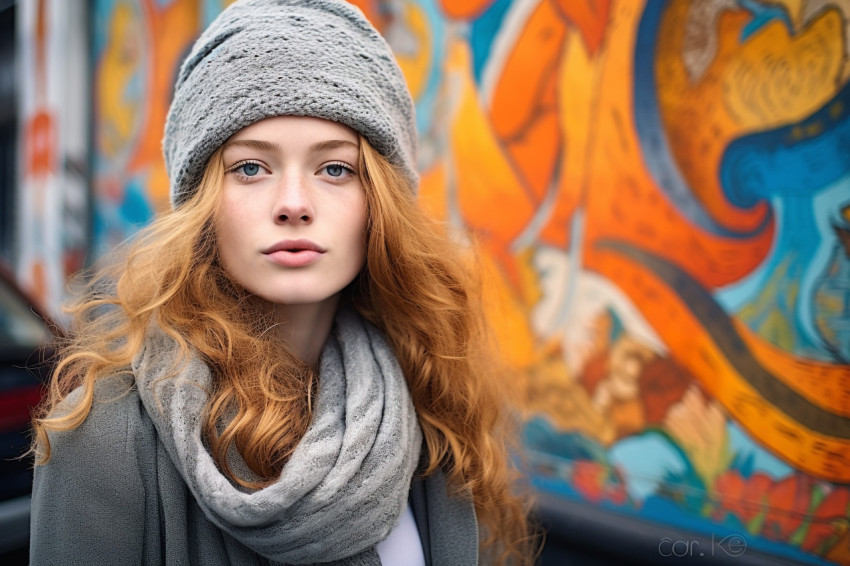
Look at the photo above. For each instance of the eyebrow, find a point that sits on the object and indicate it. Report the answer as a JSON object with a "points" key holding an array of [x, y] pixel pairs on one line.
{"points": [[333, 144], [263, 145], [253, 144]]}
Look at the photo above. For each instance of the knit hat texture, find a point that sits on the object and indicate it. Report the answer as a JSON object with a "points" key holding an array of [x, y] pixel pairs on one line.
{"points": [[265, 58]]}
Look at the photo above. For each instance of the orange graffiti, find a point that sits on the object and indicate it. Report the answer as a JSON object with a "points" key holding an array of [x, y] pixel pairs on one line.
{"points": [[174, 27], [38, 281], [372, 10], [813, 452], [590, 17], [626, 204], [464, 9], [703, 117], [40, 144], [523, 111], [826, 385], [491, 199], [525, 105], [778, 510]]}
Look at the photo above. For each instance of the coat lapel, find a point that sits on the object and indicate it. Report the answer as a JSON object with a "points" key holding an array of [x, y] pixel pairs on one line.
{"points": [[447, 525]]}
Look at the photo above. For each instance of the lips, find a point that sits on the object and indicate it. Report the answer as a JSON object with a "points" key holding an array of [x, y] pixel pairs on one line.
{"points": [[294, 253], [294, 246]]}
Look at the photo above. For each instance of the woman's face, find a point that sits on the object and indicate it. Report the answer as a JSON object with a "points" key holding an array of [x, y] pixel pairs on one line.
{"points": [[292, 218]]}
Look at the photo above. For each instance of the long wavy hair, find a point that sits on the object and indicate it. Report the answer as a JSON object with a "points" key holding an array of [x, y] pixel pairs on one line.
{"points": [[417, 286]]}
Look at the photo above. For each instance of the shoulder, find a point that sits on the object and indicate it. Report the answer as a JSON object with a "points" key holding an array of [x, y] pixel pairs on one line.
{"points": [[90, 500], [115, 425]]}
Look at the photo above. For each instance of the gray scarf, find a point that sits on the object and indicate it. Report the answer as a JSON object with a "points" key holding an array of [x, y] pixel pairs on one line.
{"points": [[347, 482]]}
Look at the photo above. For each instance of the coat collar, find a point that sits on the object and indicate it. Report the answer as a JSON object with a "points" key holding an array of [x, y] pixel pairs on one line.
{"points": [[448, 527]]}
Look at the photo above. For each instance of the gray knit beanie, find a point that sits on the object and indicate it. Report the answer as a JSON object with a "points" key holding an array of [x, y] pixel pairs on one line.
{"points": [[264, 58]]}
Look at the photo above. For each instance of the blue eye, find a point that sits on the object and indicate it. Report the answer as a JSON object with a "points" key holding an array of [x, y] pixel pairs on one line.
{"points": [[338, 170], [246, 169], [335, 170], [249, 169]]}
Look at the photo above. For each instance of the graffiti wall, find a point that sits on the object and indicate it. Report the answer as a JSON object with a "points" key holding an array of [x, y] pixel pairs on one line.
{"points": [[661, 193], [137, 47]]}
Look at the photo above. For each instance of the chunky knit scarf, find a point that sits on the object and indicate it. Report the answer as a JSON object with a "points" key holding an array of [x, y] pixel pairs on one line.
{"points": [[347, 482]]}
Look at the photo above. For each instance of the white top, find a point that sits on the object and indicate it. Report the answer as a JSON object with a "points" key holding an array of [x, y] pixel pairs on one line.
{"points": [[403, 547]]}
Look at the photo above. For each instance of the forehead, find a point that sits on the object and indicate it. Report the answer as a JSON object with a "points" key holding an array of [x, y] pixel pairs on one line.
{"points": [[296, 128]]}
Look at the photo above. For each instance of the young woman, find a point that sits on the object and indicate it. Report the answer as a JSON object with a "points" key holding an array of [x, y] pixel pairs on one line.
{"points": [[290, 366]]}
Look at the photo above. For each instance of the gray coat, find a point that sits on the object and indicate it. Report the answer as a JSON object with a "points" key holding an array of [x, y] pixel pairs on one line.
{"points": [[110, 494]]}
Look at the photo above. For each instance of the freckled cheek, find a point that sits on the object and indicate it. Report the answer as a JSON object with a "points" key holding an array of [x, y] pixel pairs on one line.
{"points": [[233, 231], [235, 214]]}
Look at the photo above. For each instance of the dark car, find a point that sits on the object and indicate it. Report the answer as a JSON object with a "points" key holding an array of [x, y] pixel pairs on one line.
{"points": [[24, 336]]}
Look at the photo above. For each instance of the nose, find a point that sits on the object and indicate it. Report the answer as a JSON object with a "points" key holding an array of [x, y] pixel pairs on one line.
{"points": [[294, 204]]}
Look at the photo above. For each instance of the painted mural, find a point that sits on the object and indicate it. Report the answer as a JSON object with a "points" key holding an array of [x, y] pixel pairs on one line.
{"points": [[661, 195], [137, 48]]}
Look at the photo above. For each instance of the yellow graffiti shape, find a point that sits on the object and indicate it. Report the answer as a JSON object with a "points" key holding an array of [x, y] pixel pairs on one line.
{"points": [[576, 89], [122, 58], [771, 79], [775, 79], [414, 56], [699, 427], [490, 196], [506, 313], [566, 404]]}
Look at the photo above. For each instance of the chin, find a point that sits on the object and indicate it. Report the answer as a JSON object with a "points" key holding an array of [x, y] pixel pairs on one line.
{"points": [[296, 289], [297, 299]]}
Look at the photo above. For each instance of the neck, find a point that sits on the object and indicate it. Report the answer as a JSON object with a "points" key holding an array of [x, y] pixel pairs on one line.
{"points": [[305, 328]]}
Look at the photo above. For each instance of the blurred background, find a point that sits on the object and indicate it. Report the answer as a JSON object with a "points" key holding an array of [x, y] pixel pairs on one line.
{"points": [[661, 191]]}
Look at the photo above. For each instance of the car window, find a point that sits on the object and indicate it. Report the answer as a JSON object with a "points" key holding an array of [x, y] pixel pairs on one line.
{"points": [[19, 325]]}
